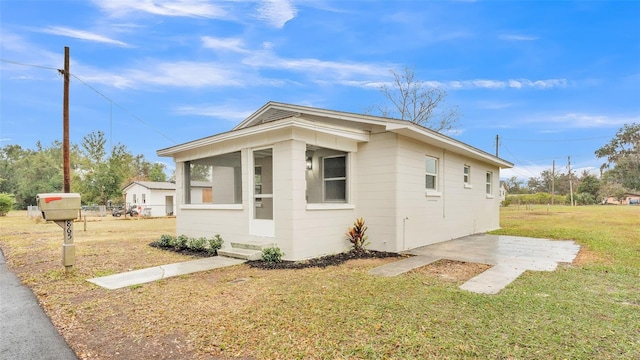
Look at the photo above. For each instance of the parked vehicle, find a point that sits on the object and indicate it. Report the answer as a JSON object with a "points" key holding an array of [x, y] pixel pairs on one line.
{"points": [[119, 211]]}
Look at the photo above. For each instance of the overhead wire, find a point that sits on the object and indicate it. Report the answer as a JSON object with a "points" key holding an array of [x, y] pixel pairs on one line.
{"points": [[97, 92]]}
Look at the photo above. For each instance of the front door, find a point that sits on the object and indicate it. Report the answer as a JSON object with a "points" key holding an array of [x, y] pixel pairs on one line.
{"points": [[262, 218]]}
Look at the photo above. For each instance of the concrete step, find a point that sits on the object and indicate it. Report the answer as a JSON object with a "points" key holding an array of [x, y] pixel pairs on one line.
{"points": [[240, 253], [252, 245]]}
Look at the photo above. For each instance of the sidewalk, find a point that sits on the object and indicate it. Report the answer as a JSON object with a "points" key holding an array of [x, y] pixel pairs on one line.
{"points": [[25, 330], [155, 273]]}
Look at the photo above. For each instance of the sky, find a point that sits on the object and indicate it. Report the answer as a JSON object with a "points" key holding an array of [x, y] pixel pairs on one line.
{"points": [[551, 79]]}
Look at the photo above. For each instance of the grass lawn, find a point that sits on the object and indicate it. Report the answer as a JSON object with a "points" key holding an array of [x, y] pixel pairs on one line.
{"points": [[586, 310]]}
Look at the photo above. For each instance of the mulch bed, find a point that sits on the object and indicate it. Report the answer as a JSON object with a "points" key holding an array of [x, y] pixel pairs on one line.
{"points": [[322, 262]]}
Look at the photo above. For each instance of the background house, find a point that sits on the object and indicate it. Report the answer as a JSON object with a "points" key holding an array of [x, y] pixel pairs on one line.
{"points": [[298, 177], [628, 199], [151, 198]]}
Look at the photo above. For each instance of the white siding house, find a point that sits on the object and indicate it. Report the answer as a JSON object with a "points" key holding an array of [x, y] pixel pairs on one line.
{"points": [[298, 177], [151, 198]]}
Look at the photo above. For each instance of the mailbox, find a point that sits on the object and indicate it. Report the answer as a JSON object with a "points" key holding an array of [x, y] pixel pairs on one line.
{"points": [[59, 206]]}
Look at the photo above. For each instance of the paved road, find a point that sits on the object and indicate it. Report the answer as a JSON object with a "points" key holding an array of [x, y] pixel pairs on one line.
{"points": [[25, 331]]}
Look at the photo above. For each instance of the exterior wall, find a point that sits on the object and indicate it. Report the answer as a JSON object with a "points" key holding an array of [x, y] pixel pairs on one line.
{"points": [[377, 187], [154, 203], [455, 209], [398, 210]]}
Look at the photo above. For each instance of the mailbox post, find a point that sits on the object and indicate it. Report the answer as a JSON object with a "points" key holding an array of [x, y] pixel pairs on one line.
{"points": [[62, 208]]}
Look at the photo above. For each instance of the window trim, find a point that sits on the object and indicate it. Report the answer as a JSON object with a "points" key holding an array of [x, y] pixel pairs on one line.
{"points": [[435, 175], [466, 176], [341, 178], [489, 184]]}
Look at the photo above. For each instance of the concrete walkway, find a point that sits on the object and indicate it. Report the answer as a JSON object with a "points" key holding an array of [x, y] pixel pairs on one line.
{"points": [[25, 330], [142, 276], [510, 256]]}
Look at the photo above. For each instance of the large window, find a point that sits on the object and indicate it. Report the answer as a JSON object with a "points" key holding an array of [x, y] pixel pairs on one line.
{"points": [[334, 177], [489, 183], [431, 173], [214, 180]]}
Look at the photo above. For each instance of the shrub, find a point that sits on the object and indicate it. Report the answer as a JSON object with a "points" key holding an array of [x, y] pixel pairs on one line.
{"points": [[505, 202], [180, 242], [215, 243], [165, 241], [197, 244], [272, 254], [6, 203], [356, 235]]}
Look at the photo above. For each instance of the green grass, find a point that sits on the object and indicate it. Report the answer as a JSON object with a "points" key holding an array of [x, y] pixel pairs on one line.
{"points": [[586, 310]]}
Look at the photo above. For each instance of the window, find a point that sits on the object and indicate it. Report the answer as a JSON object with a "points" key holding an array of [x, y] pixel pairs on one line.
{"points": [[135, 200], [467, 174], [144, 199], [489, 183], [334, 177], [431, 173], [214, 180]]}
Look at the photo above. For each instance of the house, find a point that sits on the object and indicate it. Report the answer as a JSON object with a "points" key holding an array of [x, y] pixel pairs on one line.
{"points": [[503, 190], [151, 198], [298, 177], [628, 199]]}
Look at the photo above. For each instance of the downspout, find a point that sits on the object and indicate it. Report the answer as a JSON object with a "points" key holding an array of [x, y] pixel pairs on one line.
{"points": [[444, 213]]}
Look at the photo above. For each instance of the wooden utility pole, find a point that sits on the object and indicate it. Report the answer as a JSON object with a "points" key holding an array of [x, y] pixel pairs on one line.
{"points": [[497, 142], [553, 181], [66, 163], [570, 185]]}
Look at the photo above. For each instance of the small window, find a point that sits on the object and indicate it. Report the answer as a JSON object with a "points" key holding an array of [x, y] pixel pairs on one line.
{"points": [[467, 174], [144, 198], [334, 176], [431, 173], [489, 182], [135, 200]]}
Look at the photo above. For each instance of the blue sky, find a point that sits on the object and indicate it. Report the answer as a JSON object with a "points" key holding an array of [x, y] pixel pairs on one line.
{"points": [[552, 78]]}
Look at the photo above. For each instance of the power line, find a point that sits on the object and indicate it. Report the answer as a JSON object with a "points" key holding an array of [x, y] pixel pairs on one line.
{"points": [[97, 92], [30, 65], [560, 140]]}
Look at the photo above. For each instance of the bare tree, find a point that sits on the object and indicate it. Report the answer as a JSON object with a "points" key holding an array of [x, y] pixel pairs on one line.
{"points": [[414, 101]]}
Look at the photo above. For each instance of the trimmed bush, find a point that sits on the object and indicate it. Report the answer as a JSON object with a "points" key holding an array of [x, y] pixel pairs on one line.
{"points": [[180, 242], [197, 244], [215, 243], [165, 241], [272, 254]]}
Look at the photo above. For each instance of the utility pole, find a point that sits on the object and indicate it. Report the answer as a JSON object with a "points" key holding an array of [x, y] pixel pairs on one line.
{"points": [[570, 185], [553, 181], [66, 163], [497, 142]]}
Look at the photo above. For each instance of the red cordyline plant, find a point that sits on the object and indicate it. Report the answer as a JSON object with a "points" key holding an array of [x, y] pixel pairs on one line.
{"points": [[356, 235]]}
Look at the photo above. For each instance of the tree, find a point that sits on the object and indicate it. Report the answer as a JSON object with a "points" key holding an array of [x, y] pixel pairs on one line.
{"points": [[514, 186], [414, 101], [589, 184], [623, 157], [157, 172]]}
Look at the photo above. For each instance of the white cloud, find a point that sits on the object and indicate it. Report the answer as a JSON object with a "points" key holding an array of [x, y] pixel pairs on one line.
{"points": [[82, 35], [516, 37], [578, 120], [473, 84], [185, 8], [330, 70], [230, 44], [276, 12], [231, 113]]}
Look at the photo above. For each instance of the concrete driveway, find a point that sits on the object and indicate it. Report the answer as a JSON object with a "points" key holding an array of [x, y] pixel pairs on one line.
{"points": [[510, 256]]}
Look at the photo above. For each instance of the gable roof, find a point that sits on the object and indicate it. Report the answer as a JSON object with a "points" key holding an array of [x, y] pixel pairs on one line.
{"points": [[349, 125], [152, 185]]}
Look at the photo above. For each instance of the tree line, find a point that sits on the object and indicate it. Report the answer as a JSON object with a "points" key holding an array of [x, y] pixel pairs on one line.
{"points": [[97, 173], [620, 173]]}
